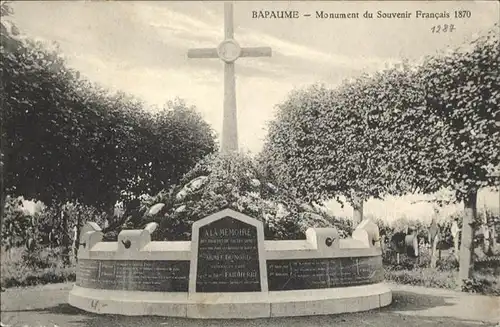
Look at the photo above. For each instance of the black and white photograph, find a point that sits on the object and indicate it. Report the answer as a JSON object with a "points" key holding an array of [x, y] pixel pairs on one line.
{"points": [[250, 163]]}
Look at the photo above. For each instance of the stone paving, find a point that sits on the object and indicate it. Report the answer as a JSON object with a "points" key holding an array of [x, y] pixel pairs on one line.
{"points": [[412, 306]]}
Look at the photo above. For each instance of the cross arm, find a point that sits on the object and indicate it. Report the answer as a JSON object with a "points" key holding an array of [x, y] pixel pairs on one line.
{"points": [[256, 52], [203, 53]]}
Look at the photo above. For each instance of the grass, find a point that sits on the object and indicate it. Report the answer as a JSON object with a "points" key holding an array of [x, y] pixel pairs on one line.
{"points": [[426, 277], [43, 267], [485, 279], [481, 283]]}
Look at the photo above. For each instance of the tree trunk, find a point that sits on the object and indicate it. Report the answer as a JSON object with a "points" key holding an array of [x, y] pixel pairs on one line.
{"points": [[467, 246], [3, 198], [357, 215], [65, 239], [77, 241], [3, 193]]}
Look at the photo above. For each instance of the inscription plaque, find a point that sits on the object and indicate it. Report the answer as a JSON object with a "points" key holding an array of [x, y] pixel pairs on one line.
{"points": [[323, 273], [133, 275], [228, 257]]}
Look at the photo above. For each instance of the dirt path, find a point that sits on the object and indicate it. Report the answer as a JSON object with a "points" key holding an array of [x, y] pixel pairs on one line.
{"points": [[412, 306]]}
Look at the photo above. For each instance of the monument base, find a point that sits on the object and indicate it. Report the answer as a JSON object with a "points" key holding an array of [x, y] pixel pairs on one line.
{"points": [[232, 305]]}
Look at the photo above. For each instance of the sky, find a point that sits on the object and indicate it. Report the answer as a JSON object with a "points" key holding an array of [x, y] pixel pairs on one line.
{"points": [[140, 47]]}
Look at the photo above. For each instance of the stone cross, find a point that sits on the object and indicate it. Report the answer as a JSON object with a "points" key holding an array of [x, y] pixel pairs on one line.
{"points": [[228, 51]]}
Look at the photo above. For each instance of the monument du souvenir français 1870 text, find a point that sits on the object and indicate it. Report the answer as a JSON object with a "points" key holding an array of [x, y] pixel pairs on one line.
{"points": [[228, 270]]}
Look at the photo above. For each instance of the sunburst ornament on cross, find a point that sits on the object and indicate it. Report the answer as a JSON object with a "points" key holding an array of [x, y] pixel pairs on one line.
{"points": [[229, 51]]}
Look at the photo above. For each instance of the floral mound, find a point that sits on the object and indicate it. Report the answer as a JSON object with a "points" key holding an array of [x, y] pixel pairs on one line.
{"points": [[232, 181]]}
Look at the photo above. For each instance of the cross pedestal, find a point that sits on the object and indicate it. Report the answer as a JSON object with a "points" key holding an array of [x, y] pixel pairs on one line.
{"points": [[228, 51]]}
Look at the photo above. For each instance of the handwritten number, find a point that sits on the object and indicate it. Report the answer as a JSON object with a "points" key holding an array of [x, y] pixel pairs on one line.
{"points": [[436, 29], [445, 28]]}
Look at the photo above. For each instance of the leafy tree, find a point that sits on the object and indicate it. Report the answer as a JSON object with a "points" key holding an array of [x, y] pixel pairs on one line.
{"points": [[459, 146], [179, 139], [67, 139], [421, 128], [6, 40], [324, 144], [42, 136]]}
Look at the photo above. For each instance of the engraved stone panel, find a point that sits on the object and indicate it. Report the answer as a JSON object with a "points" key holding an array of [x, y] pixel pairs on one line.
{"points": [[134, 275], [228, 257], [323, 273]]}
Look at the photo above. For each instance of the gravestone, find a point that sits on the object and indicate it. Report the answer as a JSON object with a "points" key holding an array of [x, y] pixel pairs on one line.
{"points": [[454, 233], [228, 254]]}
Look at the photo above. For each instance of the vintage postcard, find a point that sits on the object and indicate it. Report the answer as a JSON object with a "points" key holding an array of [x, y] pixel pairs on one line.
{"points": [[250, 163]]}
